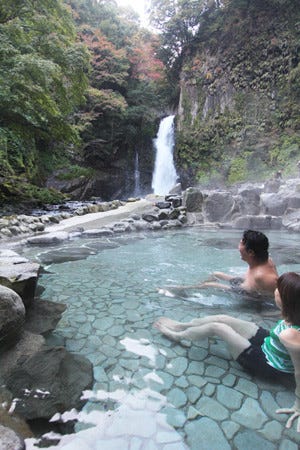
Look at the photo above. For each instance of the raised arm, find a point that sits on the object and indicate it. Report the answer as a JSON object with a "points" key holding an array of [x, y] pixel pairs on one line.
{"points": [[223, 276], [290, 338]]}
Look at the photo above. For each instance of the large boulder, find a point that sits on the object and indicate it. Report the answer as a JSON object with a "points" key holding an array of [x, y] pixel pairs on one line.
{"points": [[9, 440], [272, 186], [219, 206], [258, 223], [273, 204], [19, 274], [293, 201], [51, 381], [278, 204], [291, 220], [43, 316], [193, 200], [249, 200], [49, 238], [26, 347], [63, 254], [12, 317], [151, 216]]}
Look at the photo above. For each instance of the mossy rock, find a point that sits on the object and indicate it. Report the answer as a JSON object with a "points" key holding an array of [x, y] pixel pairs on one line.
{"points": [[14, 190]]}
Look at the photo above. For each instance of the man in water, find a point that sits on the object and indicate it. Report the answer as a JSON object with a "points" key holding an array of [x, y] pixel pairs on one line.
{"points": [[260, 278]]}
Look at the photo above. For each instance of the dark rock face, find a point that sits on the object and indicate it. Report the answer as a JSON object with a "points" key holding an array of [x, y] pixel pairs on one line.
{"points": [[43, 316], [249, 200], [50, 381], [113, 172], [12, 317], [193, 199], [26, 347], [218, 206], [227, 125]]}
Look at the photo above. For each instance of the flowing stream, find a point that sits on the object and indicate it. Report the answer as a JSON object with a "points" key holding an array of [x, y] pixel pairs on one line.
{"points": [[149, 392], [164, 176]]}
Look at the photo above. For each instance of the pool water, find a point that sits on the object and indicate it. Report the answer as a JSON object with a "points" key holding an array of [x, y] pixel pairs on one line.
{"points": [[151, 393]]}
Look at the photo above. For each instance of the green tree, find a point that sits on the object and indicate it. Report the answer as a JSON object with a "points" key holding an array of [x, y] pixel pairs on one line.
{"points": [[109, 65], [125, 79], [42, 80], [117, 24], [179, 22]]}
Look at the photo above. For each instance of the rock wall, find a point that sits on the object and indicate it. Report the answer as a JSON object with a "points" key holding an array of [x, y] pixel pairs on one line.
{"points": [[238, 117], [273, 205], [112, 175]]}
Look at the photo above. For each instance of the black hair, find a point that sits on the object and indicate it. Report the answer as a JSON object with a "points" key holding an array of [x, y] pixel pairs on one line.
{"points": [[258, 243], [288, 285]]}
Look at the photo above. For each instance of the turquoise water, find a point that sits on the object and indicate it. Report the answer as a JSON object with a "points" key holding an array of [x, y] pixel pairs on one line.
{"points": [[151, 393]]}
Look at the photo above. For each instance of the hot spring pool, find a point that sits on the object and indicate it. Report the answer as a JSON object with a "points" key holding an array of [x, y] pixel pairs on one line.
{"points": [[151, 393]]}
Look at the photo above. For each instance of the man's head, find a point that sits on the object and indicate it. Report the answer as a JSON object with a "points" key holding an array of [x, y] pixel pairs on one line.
{"points": [[256, 244]]}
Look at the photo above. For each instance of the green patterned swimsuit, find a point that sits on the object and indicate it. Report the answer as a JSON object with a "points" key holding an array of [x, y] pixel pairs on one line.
{"points": [[276, 353]]}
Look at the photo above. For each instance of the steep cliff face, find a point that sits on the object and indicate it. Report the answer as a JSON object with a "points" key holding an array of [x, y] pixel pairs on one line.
{"points": [[109, 176], [238, 116]]}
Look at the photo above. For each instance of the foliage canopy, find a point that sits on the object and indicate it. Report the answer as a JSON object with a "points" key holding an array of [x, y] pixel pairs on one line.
{"points": [[43, 77]]}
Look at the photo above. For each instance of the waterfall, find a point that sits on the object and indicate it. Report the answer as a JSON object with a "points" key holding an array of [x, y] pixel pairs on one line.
{"points": [[136, 176], [164, 176]]}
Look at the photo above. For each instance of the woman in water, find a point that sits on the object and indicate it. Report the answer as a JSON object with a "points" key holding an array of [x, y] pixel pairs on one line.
{"points": [[269, 354]]}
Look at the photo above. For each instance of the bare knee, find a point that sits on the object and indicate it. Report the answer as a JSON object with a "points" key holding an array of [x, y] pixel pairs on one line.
{"points": [[220, 328], [215, 328], [222, 318]]}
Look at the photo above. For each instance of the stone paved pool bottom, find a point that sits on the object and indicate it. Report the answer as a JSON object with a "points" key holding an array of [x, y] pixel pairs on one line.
{"points": [[149, 392]]}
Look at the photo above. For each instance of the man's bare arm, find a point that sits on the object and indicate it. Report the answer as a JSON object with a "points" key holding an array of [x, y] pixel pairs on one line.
{"points": [[223, 276]]}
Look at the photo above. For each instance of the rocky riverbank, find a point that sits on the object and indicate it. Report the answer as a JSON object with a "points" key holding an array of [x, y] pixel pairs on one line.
{"points": [[272, 205], [13, 226]]}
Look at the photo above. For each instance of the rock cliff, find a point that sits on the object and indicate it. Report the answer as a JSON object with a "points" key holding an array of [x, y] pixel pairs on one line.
{"points": [[238, 117]]}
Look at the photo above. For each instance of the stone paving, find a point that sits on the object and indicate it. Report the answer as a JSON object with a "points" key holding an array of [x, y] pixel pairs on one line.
{"points": [[151, 393], [160, 395]]}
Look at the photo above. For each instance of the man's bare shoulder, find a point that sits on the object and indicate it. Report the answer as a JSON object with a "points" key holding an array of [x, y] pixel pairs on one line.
{"points": [[267, 269], [262, 277]]}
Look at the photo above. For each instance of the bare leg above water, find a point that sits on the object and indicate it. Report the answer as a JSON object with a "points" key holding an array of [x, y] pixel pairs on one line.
{"points": [[235, 341], [243, 327]]}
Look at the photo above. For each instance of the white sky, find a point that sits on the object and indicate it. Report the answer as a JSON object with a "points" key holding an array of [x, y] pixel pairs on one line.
{"points": [[138, 5]]}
